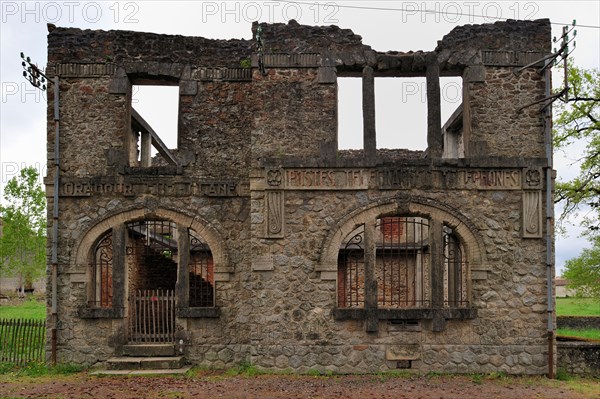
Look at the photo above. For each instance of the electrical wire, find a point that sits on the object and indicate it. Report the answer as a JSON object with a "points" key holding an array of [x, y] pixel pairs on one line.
{"points": [[423, 11]]}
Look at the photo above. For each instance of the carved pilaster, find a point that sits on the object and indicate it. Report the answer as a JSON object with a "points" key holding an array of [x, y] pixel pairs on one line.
{"points": [[532, 214], [274, 214]]}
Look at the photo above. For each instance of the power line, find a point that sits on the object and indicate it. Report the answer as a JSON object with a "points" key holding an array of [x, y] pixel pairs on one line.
{"points": [[422, 11]]}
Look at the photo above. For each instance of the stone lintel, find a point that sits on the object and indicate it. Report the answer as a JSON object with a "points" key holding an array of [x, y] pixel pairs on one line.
{"points": [[142, 71]]}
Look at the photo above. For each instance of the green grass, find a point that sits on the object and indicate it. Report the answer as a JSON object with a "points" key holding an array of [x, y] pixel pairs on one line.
{"points": [[245, 369], [38, 369], [577, 307], [28, 309], [590, 333]]}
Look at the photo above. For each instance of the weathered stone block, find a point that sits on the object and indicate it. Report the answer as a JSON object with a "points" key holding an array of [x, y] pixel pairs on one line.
{"points": [[403, 352]]}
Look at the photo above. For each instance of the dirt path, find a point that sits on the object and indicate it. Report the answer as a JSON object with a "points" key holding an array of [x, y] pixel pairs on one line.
{"points": [[218, 385]]}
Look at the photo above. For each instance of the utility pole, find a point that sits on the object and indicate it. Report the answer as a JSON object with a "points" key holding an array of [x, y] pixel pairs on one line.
{"points": [[39, 80]]}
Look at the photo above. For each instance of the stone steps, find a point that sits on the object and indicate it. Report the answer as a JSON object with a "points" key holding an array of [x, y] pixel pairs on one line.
{"points": [[139, 359], [149, 350], [146, 363]]}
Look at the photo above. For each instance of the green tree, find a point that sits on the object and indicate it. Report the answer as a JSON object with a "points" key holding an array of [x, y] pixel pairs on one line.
{"points": [[23, 240], [577, 119], [583, 272]]}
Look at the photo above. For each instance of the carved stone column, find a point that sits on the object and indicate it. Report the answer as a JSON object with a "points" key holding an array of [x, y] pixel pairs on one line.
{"points": [[372, 321], [119, 266], [183, 260]]}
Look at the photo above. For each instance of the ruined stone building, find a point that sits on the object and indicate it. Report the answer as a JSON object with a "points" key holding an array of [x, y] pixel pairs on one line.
{"points": [[258, 240]]}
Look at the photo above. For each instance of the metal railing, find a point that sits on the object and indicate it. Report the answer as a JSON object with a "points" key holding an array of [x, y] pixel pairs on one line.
{"points": [[22, 341], [152, 316]]}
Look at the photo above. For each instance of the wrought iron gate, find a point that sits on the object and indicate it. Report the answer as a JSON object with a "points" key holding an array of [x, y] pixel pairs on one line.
{"points": [[152, 316]]}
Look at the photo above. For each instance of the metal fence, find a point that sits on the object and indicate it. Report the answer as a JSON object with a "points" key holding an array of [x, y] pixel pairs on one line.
{"points": [[22, 341]]}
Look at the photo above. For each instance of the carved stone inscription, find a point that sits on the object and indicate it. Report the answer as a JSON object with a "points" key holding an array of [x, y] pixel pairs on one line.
{"points": [[324, 179], [218, 189], [347, 179], [87, 188], [399, 179], [490, 179]]}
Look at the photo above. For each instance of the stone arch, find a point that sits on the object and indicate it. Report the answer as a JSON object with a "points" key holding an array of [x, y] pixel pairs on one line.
{"points": [[199, 225], [417, 206]]}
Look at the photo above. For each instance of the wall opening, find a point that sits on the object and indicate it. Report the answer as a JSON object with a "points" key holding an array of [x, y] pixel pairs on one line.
{"points": [[401, 112], [350, 113], [451, 90], [158, 106]]}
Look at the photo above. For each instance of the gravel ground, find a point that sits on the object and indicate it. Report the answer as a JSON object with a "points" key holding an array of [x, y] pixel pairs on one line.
{"points": [[214, 384]]}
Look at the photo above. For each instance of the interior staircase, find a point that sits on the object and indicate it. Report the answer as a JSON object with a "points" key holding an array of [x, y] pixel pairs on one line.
{"points": [[140, 359]]}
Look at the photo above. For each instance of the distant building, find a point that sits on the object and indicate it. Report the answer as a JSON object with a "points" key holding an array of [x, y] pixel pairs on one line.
{"points": [[13, 283], [561, 290]]}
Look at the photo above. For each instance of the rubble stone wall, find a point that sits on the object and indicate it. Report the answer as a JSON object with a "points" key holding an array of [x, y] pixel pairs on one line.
{"points": [[259, 178]]}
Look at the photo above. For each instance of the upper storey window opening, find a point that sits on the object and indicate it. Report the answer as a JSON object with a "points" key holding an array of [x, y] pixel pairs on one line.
{"points": [[401, 112], [451, 105], [158, 108], [350, 113]]}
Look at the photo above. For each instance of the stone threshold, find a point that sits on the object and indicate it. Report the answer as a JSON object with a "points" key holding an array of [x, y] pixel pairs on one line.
{"points": [[182, 370]]}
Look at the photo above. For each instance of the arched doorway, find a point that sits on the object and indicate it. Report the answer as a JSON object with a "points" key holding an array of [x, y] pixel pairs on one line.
{"points": [[154, 251]]}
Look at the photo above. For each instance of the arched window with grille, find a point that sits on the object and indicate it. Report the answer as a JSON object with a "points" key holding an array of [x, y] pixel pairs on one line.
{"points": [[402, 262], [201, 273], [455, 271], [102, 272]]}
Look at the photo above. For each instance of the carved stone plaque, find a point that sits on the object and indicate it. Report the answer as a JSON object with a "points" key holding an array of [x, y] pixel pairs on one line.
{"points": [[532, 214], [274, 214]]}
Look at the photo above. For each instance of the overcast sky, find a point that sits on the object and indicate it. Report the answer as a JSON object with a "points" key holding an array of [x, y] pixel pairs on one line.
{"points": [[384, 25]]}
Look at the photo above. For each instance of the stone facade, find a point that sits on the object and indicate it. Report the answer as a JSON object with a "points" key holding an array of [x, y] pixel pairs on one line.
{"points": [[280, 249]]}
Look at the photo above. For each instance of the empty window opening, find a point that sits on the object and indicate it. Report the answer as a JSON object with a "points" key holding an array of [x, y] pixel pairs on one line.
{"points": [[401, 112], [452, 116], [158, 107], [350, 114]]}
